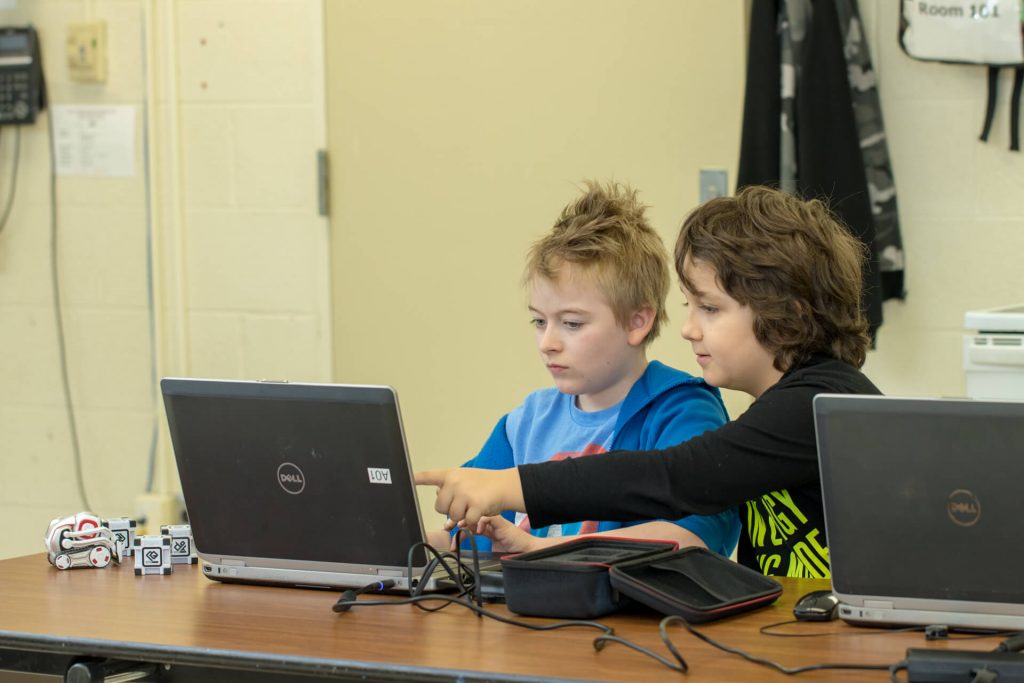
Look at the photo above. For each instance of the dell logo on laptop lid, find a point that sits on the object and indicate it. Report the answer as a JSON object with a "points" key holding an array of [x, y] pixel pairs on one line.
{"points": [[290, 477], [964, 508]]}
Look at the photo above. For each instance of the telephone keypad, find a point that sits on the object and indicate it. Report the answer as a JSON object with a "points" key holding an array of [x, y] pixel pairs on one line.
{"points": [[15, 95]]}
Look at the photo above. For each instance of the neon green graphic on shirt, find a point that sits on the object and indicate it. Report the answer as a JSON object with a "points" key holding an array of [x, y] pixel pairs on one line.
{"points": [[784, 544]]}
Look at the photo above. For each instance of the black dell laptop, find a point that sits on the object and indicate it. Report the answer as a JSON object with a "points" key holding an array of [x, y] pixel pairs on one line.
{"points": [[923, 509], [297, 484]]}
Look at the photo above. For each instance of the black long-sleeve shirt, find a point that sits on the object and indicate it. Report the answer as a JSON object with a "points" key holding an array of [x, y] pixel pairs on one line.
{"points": [[765, 462]]}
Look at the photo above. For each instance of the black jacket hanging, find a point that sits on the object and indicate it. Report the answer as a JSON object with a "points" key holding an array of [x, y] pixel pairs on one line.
{"points": [[829, 162]]}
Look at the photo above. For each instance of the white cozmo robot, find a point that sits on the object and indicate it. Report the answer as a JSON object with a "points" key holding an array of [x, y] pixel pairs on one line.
{"points": [[80, 541]]}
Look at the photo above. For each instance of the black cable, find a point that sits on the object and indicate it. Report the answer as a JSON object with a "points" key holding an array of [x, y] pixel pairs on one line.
{"points": [[972, 634], [764, 630], [480, 611], [790, 671], [150, 295], [467, 580], [14, 179], [475, 554], [964, 634], [76, 450], [680, 667], [347, 598], [767, 662], [440, 560]]}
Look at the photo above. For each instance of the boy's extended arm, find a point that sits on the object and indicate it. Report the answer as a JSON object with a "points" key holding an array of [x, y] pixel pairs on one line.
{"points": [[770, 447]]}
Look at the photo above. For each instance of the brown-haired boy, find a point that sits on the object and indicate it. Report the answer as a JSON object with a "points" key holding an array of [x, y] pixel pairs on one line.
{"points": [[772, 285]]}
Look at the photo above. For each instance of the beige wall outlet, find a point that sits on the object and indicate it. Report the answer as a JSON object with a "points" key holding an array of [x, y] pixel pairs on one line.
{"points": [[87, 51]]}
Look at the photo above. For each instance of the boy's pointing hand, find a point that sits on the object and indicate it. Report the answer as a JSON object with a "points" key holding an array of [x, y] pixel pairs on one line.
{"points": [[469, 494]]}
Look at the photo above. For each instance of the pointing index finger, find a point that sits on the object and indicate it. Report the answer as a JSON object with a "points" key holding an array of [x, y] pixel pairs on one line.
{"points": [[430, 477]]}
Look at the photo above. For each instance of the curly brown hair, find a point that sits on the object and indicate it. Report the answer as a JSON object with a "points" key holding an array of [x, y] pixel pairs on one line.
{"points": [[606, 233], [792, 262]]}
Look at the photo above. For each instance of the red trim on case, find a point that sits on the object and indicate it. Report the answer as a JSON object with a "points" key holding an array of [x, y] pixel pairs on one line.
{"points": [[754, 601]]}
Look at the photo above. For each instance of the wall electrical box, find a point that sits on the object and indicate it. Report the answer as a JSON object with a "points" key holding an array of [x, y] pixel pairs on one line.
{"points": [[713, 183], [87, 51]]}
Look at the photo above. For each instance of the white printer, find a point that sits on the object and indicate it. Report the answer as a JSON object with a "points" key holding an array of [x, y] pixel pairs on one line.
{"points": [[994, 354]]}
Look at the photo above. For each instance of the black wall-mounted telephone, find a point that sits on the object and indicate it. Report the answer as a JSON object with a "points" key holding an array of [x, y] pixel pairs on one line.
{"points": [[22, 95]]}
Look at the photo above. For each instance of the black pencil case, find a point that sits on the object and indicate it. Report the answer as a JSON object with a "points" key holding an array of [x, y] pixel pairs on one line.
{"points": [[694, 583], [571, 580]]}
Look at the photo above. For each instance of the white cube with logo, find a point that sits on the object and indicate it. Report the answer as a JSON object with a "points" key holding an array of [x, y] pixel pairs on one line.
{"points": [[183, 549], [123, 529], [152, 555]]}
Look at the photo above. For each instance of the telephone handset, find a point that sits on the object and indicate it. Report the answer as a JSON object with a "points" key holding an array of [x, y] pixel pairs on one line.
{"points": [[22, 94]]}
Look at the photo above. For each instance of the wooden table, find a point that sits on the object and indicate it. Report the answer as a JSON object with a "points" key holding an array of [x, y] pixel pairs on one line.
{"points": [[197, 629]]}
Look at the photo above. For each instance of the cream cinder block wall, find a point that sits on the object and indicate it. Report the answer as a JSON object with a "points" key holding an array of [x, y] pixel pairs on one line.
{"points": [[102, 270], [457, 131], [229, 111], [961, 209]]}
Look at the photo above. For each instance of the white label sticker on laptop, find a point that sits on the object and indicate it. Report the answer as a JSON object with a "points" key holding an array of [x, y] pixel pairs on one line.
{"points": [[379, 475]]}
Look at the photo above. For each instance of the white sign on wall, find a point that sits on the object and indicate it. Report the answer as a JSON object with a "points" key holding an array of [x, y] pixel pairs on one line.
{"points": [[94, 140]]}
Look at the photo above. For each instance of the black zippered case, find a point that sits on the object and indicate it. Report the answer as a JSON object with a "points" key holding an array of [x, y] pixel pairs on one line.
{"points": [[591, 577], [571, 580], [694, 583]]}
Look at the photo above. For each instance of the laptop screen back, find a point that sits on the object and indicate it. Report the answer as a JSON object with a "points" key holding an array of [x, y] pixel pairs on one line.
{"points": [[315, 473], [922, 496]]}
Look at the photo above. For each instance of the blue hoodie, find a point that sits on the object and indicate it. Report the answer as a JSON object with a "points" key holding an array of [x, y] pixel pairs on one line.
{"points": [[664, 407]]}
